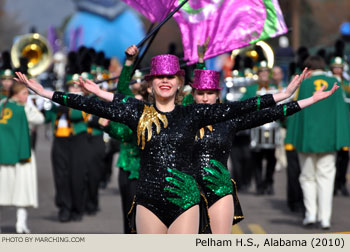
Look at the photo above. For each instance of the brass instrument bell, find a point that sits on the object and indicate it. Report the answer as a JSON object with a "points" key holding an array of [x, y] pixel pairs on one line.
{"points": [[36, 49]]}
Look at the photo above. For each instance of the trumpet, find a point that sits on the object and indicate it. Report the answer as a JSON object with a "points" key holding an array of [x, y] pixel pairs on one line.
{"points": [[36, 49]]}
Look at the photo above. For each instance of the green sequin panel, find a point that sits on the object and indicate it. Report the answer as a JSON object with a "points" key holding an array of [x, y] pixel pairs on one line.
{"points": [[123, 83], [126, 98], [129, 159], [129, 156], [220, 179], [185, 187], [120, 132]]}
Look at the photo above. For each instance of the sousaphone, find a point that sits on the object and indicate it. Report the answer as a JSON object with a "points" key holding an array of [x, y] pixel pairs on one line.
{"points": [[251, 52], [36, 49]]}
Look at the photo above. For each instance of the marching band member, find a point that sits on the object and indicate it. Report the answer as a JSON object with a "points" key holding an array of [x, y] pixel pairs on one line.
{"points": [[18, 175], [70, 139], [6, 75], [259, 153], [342, 159], [317, 142]]}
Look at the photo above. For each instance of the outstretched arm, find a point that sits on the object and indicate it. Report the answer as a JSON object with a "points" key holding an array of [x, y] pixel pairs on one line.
{"points": [[205, 114], [292, 86], [259, 118], [34, 85], [319, 95], [92, 87], [89, 85], [127, 113]]}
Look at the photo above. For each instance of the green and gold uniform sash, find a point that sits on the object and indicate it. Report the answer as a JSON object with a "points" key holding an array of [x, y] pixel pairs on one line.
{"points": [[14, 134]]}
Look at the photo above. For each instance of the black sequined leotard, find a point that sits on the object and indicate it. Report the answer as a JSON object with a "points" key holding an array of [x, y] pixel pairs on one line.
{"points": [[213, 145], [166, 141]]}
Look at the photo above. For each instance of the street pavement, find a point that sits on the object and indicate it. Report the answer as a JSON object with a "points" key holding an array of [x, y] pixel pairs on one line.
{"points": [[263, 214]]}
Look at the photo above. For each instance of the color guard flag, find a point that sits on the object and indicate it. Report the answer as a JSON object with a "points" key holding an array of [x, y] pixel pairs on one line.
{"points": [[230, 24], [153, 10]]}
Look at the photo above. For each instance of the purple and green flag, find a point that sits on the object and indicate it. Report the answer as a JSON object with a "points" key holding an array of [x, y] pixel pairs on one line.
{"points": [[153, 10], [230, 24]]}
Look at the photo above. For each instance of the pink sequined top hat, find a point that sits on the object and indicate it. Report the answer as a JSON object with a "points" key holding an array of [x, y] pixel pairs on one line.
{"points": [[165, 64], [206, 79]]}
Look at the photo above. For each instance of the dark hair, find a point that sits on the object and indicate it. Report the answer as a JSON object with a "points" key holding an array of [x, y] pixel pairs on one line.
{"points": [[315, 62]]}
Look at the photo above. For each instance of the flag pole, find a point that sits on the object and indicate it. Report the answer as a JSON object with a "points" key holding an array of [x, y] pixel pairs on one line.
{"points": [[152, 34], [116, 77], [160, 24], [139, 59]]}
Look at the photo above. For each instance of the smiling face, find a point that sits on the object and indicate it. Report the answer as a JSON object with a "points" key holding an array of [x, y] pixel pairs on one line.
{"points": [[205, 96], [165, 86]]}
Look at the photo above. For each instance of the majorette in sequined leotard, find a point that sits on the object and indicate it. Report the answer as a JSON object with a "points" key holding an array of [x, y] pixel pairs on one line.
{"points": [[212, 147], [166, 141]]}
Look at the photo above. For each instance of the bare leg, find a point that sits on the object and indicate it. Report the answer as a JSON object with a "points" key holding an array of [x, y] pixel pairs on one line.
{"points": [[186, 223], [221, 215], [148, 223]]}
